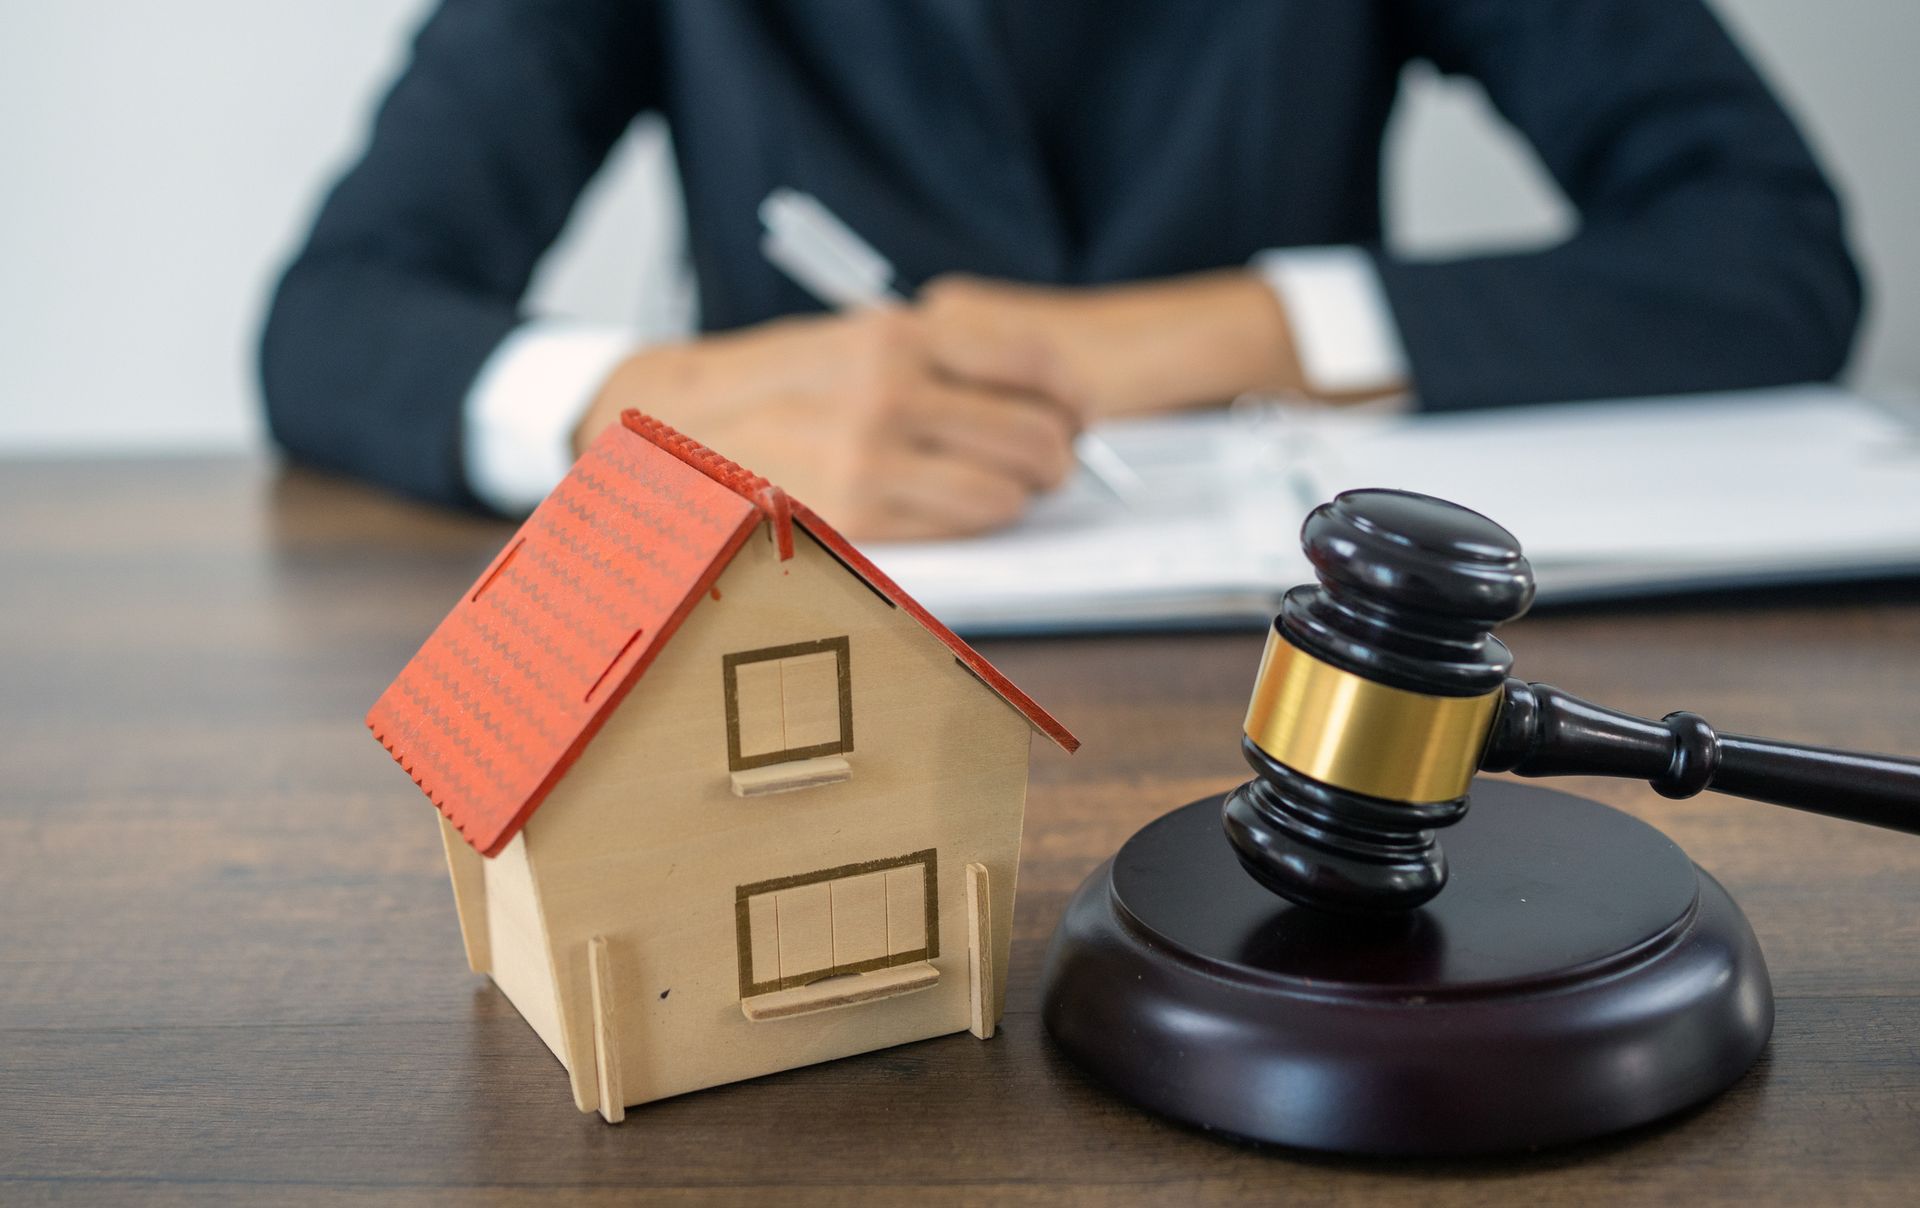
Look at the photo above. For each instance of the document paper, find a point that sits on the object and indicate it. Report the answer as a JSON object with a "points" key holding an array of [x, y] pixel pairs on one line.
{"points": [[1609, 499]]}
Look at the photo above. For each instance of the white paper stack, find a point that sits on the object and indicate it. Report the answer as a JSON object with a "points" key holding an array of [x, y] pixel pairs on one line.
{"points": [[1609, 499]]}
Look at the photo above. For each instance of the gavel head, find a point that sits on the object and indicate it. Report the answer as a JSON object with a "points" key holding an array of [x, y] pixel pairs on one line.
{"points": [[1377, 691]]}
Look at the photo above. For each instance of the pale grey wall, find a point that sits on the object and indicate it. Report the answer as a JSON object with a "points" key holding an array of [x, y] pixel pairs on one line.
{"points": [[1846, 70], [157, 161]]}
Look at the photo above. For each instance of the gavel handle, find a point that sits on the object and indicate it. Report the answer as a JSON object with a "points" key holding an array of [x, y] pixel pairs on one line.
{"points": [[1542, 731]]}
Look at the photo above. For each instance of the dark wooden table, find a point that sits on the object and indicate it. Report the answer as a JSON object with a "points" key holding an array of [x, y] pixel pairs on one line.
{"points": [[230, 970]]}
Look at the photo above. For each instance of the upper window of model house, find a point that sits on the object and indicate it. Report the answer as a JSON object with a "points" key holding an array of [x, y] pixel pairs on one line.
{"points": [[788, 702]]}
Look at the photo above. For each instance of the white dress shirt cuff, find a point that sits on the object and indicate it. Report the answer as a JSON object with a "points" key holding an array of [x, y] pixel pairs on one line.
{"points": [[1343, 328], [523, 407]]}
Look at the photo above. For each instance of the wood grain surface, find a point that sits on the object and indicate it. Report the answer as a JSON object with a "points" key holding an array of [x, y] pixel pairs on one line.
{"points": [[230, 970]]}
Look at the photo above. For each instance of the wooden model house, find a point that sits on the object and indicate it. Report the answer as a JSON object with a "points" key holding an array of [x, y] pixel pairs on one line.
{"points": [[719, 799]]}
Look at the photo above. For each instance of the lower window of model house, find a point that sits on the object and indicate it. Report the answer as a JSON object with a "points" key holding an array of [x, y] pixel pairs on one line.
{"points": [[793, 931]]}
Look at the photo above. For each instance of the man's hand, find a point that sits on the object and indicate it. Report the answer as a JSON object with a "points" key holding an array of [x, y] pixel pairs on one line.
{"points": [[1116, 350], [853, 415]]}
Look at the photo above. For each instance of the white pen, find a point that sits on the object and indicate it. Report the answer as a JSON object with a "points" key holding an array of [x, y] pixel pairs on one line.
{"points": [[808, 242]]}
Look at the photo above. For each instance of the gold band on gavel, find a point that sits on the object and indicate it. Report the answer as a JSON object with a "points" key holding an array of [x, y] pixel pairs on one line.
{"points": [[1343, 730]]}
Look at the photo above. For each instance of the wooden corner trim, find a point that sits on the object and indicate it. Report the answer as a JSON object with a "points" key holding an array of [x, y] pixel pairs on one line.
{"points": [[982, 994], [606, 1036]]}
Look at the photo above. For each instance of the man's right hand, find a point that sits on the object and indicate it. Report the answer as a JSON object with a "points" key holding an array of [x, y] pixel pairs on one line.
{"points": [[850, 415]]}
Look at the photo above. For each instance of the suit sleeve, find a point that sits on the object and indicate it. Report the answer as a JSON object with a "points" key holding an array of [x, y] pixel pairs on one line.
{"points": [[416, 265], [1710, 253]]}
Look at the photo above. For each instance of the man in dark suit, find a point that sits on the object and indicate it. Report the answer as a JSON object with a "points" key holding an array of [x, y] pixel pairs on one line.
{"points": [[1157, 203]]}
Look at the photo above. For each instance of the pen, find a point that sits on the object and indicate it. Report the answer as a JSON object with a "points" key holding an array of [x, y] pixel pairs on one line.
{"points": [[809, 243]]}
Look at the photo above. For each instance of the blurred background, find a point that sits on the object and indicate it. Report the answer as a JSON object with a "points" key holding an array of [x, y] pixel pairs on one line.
{"points": [[160, 160]]}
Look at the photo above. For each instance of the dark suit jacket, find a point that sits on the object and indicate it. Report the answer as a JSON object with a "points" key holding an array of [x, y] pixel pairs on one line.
{"points": [[1066, 142]]}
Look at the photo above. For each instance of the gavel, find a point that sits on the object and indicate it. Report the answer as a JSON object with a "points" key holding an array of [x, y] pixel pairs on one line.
{"points": [[1383, 690]]}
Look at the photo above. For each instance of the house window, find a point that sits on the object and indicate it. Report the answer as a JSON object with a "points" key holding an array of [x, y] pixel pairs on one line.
{"points": [[857, 918], [788, 702]]}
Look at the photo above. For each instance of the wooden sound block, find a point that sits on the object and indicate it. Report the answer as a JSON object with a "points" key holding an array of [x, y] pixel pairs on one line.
{"points": [[1578, 975]]}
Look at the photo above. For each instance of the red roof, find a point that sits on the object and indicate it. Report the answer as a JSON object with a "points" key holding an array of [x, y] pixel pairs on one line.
{"points": [[517, 679]]}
